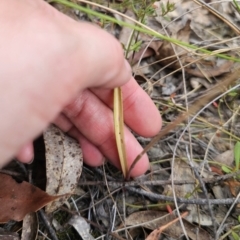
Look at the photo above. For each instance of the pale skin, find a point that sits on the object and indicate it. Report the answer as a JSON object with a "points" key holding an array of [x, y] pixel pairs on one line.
{"points": [[54, 69]]}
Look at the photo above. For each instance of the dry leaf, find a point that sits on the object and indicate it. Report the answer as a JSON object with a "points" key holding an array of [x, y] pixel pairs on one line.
{"points": [[152, 49], [153, 219], [166, 53], [18, 199], [182, 171], [225, 158], [64, 165], [30, 227], [155, 234], [207, 71], [200, 68], [81, 226], [119, 129]]}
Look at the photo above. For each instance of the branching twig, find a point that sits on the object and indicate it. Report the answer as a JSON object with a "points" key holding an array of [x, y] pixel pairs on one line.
{"points": [[159, 197], [115, 183]]}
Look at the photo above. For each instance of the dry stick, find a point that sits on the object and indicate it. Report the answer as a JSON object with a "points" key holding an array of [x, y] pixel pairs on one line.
{"points": [[136, 183], [160, 197], [112, 182], [171, 199], [48, 224], [214, 91], [199, 201]]}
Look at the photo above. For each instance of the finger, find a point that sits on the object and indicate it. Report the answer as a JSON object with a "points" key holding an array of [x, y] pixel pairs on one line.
{"points": [[63, 123], [103, 61], [91, 154], [95, 121], [140, 113], [26, 153]]}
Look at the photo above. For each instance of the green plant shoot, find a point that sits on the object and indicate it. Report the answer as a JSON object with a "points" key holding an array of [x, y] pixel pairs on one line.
{"points": [[237, 155], [237, 6], [226, 169], [235, 236]]}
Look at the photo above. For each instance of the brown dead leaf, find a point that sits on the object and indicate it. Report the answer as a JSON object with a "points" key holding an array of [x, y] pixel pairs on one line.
{"points": [[166, 53], [199, 68], [207, 71], [155, 234], [18, 199], [151, 50], [234, 186], [153, 219], [64, 165]]}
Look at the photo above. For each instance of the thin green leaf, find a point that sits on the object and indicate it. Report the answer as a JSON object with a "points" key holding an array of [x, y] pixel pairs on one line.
{"points": [[226, 169], [237, 154], [136, 46], [235, 236], [236, 5], [233, 94]]}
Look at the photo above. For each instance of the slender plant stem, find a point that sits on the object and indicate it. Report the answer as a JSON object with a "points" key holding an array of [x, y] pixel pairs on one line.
{"points": [[144, 29]]}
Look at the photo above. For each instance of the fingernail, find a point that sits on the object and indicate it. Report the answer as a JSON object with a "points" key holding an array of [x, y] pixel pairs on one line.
{"points": [[31, 161]]}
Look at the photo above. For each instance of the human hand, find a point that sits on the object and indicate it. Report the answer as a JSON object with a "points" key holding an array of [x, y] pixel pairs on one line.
{"points": [[61, 71]]}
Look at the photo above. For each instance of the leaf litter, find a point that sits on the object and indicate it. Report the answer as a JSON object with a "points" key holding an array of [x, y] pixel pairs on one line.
{"points": [[63, 165], [169, 74], [19, 199], [30, 226]]}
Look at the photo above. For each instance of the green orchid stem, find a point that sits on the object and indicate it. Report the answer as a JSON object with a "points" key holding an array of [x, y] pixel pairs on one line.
{"points": [[141, 29]]}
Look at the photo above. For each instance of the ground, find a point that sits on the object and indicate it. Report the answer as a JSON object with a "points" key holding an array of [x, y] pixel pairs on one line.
{"points": [[195, 164]]}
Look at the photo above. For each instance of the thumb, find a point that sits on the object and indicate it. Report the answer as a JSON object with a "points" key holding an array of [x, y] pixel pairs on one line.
{"points": [[98, 58]]}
